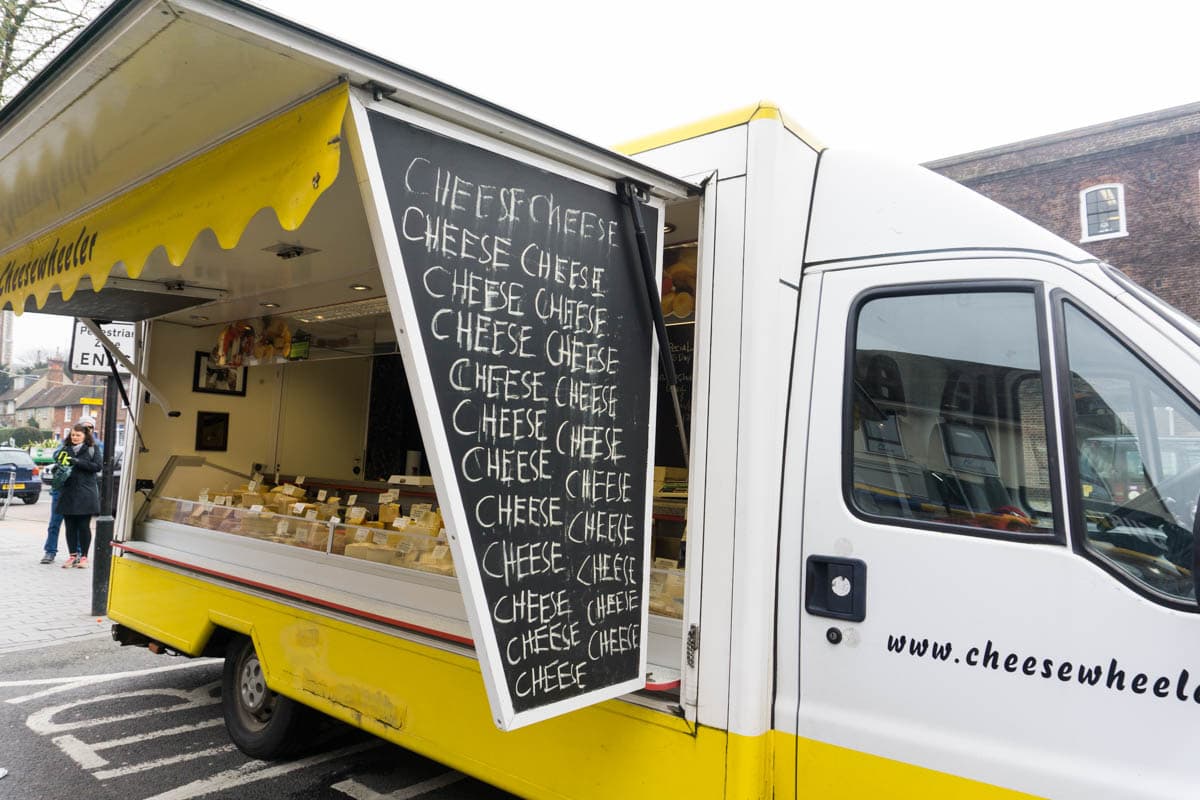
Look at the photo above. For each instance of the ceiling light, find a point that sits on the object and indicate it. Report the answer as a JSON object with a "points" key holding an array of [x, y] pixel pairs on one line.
{"points": [[199, 318], [269, 305], [360, 287], [669, 227], [350, 310]]}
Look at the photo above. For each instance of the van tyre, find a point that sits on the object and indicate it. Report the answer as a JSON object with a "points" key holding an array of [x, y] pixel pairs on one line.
{"points": [[30, 499], [262, 723]]}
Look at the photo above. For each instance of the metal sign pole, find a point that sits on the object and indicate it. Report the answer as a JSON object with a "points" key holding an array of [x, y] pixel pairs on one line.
{"points": [[102, 549], [12, 479]]}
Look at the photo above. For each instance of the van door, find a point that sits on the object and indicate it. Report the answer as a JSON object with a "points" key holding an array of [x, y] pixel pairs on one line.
{"points": [[980, 609], [699, 398]]}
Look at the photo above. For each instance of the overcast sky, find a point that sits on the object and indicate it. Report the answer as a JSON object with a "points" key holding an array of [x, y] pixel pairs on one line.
{"points": [[916, 80]]}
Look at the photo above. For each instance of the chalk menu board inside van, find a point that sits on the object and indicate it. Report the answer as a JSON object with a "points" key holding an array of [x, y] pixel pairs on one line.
{"points": [[530, 344]]}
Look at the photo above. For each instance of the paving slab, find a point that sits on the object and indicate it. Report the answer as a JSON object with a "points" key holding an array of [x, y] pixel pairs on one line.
{"points": [[40, 604]]}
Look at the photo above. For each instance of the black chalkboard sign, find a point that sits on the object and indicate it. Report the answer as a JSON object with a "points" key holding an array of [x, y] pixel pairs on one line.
{"points": [[531, 312]]}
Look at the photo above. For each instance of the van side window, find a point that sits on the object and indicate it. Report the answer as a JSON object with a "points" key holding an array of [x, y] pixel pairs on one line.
{"points": [[946, 411], [1138, 443]]}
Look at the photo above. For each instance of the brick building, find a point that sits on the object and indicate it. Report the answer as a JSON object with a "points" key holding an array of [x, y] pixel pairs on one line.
{"points": [[56, 400], [1127, 191], [57, 408], [23, 387]]}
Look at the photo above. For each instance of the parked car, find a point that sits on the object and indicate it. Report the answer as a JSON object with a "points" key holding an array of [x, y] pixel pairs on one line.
{"points": [[16, 466], [42, 456]]}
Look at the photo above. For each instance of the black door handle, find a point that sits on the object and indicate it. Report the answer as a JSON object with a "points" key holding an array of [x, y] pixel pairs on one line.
{"points": [[836, 587]]}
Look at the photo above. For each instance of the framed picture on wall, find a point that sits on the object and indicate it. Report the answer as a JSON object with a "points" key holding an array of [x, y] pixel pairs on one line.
{"points": [[208, 377], [212, 430]]}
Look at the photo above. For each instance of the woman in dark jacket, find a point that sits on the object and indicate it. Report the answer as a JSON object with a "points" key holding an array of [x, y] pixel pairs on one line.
{"points": [[79, 497]]}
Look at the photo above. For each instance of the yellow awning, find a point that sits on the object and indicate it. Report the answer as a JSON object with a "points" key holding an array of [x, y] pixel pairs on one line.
{"points": [[284, 163]]}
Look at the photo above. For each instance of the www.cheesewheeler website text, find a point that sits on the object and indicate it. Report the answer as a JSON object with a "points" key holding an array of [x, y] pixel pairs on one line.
{"points": [[989, 657]]}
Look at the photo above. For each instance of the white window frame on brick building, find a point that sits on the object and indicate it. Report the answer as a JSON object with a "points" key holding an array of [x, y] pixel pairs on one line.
{"points": [[67, 414], [1085, 228]]}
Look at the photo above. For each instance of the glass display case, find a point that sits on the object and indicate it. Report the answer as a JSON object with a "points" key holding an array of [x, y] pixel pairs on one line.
{"points": [[396, 525], [666, 592], [376, 524]]}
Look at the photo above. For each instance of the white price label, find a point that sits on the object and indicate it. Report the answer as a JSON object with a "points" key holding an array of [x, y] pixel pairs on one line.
{"points": [[256, 509], [352, 499], [311, 515], [281, 528], [361, 535], [379, 537], [321, 495], [299, 480], [297, 508], [252, 487], [356, 514]]}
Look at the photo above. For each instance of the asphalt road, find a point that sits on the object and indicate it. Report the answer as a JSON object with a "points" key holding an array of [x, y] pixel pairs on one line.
{"points": [[90, 719]]}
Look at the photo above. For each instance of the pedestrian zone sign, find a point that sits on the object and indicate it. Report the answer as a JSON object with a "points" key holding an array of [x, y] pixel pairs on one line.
{"points": [[88, 356]]}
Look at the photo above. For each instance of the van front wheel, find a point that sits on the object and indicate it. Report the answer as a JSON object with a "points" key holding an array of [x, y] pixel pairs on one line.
{"points": [[262, 723]]}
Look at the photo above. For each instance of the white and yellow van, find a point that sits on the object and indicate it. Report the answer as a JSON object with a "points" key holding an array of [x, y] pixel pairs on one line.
{"points": [[864, 554]]}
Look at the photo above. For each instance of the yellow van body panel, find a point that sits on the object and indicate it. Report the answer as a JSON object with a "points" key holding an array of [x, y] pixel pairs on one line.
{"points": [[433, 702], [429, 700], [719, 122], [825, 770]]}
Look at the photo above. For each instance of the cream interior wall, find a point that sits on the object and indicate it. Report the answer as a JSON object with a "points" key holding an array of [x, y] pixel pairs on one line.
{"points": [[323, 420], [309, 417], [252, 428]]}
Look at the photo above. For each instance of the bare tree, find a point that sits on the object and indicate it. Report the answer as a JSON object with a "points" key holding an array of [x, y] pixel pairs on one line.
{"points": [[32, 32]]}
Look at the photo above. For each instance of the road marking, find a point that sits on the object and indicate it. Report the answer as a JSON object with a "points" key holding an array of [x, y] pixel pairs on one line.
{"points": [[120, 772], [80, 752], [418, 789], [256, 771], [356, 790], [41, 722], [82, 681], [85, 753]]}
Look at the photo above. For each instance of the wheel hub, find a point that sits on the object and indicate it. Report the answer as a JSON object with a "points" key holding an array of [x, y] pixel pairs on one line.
{"points": [[253, 687]]}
